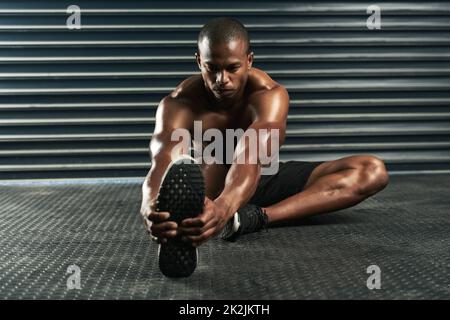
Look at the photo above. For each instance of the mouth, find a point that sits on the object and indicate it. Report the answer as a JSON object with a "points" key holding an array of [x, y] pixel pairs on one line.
{"points": [[223, 92]]}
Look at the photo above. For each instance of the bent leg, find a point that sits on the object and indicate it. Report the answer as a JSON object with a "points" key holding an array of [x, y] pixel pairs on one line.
{"points": [[333, 185]]}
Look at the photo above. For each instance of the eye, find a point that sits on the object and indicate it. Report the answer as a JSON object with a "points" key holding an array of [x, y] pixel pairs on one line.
{"points": [[211, 68]]}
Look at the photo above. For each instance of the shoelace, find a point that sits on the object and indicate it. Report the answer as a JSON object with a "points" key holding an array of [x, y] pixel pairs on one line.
{"points": [[257, 219], [265, 220]]}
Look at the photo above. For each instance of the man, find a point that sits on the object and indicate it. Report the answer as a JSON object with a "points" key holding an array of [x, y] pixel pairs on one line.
{"points": [[230, 93]]}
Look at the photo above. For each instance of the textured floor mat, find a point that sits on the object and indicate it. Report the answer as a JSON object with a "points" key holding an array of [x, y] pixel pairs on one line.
{"points": [[404, 230]]}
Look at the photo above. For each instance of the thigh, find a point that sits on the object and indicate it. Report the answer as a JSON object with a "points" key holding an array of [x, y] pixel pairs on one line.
{"points": [[290, 179]]}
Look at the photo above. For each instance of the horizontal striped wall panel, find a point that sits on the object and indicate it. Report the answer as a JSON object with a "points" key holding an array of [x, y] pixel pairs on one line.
{"points": [[81, 103]]}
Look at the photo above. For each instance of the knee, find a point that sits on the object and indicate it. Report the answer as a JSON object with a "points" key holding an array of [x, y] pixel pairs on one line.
{"points": [[372, 176]]}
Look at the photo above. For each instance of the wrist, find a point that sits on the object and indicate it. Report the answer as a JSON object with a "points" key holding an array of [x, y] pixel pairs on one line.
{"points": [[226, 204]]}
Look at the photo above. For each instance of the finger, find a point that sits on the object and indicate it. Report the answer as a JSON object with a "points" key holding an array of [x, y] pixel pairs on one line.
{"points": [[198, 230], [203, 237], [168, 234], [193, 222], [163, 226], [190, 231], [199, 240], [158, 216]]}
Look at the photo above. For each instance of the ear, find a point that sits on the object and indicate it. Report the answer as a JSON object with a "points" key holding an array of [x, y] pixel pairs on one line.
{"points": [[250, 60], [197, 58]]}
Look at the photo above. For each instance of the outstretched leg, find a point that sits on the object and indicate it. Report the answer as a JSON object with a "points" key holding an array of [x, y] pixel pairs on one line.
{"points": [[333, 185]]}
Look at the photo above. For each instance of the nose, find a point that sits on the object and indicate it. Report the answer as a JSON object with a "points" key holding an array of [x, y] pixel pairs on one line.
{"points": [[222, 78]]}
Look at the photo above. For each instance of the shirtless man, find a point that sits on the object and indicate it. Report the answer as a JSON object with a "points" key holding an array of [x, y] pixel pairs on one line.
{"points": [[230, 93]]}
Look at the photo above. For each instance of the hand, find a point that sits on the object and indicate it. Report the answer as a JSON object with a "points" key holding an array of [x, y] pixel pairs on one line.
{"points": [[206, 225], [156, 223]]}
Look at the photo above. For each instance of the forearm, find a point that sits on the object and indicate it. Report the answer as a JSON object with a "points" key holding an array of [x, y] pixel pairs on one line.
{"points": [[240, 185], [162, 151], [243, 176], [154, 177], [150, 187]]}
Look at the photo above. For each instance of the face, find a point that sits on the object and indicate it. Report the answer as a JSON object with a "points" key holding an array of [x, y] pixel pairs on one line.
{"points": [[224, 68]]}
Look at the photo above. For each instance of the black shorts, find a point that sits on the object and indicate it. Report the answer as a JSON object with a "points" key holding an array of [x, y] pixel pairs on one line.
{"points": [[290, 179]]}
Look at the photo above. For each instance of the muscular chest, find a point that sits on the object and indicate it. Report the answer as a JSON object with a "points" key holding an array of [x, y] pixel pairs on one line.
{"points": [[219, 121], [224, 120]]}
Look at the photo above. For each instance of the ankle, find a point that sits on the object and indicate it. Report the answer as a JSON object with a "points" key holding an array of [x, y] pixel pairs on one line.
{"points": [[269, 214], [265, 219]]}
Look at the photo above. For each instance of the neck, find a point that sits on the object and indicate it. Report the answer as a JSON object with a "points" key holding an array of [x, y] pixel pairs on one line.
{"points": [[228, 104]]}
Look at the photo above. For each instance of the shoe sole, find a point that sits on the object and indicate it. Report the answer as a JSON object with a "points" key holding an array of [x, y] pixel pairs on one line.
{"points": [[182, 194]]}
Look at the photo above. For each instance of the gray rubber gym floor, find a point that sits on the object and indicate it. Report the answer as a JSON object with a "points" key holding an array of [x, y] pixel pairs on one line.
{"points": [[404, 230]]}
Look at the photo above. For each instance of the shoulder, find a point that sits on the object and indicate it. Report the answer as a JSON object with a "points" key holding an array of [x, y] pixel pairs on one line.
{"points": [[182, 100], [264, 89], [268, 99], [170, 107], [174, 112], [188, 91]]}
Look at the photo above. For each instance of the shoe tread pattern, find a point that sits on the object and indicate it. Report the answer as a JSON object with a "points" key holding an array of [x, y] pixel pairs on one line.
{"points": [[182, 194]]}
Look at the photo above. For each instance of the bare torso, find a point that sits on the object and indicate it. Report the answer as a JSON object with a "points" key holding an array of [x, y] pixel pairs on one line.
{"points": [[261, 100], [238, 114]]}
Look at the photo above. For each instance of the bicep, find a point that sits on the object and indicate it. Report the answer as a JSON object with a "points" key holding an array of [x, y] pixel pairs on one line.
{"points": [[271, 110]]}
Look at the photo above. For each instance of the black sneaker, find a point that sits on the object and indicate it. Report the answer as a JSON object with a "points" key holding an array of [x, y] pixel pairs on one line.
{"points": [[182, 194], [250, 218]]}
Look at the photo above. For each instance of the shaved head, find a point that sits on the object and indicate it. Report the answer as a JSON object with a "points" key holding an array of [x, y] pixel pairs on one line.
{"points": [[224, 58], [223, 30]]}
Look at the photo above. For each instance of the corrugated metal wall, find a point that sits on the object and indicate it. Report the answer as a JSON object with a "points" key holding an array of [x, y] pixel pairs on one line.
{"points": [[81, 103]]}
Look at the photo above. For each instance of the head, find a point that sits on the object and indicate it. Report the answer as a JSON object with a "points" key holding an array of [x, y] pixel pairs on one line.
{"points": [[224, 57]]}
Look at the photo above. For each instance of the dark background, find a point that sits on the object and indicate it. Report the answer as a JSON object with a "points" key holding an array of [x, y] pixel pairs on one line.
{"points": [[81, 103]]}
